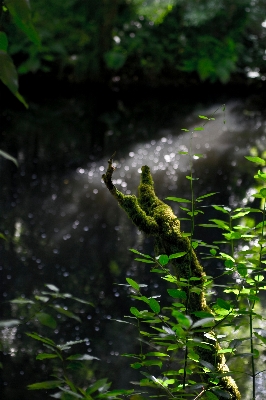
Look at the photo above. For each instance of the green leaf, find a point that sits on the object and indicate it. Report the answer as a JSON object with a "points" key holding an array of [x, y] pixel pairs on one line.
{"points": [[21, 13], [261, 176], [199, 155], [8, 73], [223, 209], [44, 299], [242, 270], [177, 255], [178, 199], [135, 311], [44, 385], [154, 305], [263, 339], [133, 284], [163, 259], [227, 257], [157, 354], [136, 365], [184, 320], [221, 224], [44, 356], [259, 278], [223, 304], [256, 160], [206, 195], [191, 179], [41, 339], [263, 193], [46, 320], [22, 301], [202, 117], [232, 235], [3, 41], [141, 254], [203, 314], [2, 236], [9, 76], [222, 351], [177, 293], [144, 260], [199, 128]]}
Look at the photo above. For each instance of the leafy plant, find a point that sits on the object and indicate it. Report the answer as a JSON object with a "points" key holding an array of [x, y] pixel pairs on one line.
{"points": [[174, 339], [71, 371], [21, 16]]}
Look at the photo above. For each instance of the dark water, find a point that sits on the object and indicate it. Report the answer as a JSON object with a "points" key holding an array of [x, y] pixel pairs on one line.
{"points": [[64, 228]]}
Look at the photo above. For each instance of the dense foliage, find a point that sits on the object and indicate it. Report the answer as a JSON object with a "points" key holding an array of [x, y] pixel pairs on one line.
{"points": [[133, 40]]}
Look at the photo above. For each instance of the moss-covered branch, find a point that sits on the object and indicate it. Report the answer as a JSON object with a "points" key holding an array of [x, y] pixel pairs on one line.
{"points": [[155, 218]]}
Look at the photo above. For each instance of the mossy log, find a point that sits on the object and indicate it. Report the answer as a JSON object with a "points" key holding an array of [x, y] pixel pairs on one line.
{"points": [[155, 218]]}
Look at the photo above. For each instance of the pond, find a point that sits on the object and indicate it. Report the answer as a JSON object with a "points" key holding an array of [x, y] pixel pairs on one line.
{"points": [[64, 228]]}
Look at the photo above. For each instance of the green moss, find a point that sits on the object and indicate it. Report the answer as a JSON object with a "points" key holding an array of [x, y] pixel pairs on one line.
{"points": [[155, 218]]}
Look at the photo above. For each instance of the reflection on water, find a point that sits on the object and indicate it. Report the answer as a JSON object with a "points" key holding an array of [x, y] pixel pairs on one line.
{"points": [[68, 230]]}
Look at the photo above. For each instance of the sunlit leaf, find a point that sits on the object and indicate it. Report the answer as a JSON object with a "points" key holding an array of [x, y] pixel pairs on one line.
{"points": [[22, 301], [9, 323], [69, 344], [206, 195], [223, 351], [141, 254], [221, 224], [157, 354], [178, 199], [82, 357], [6, 155], [44, 385], [135, 311], [256, 160], [225, 210], [227, 256], [52, 287], [163, 259], [203, 117], [133, 284]]}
